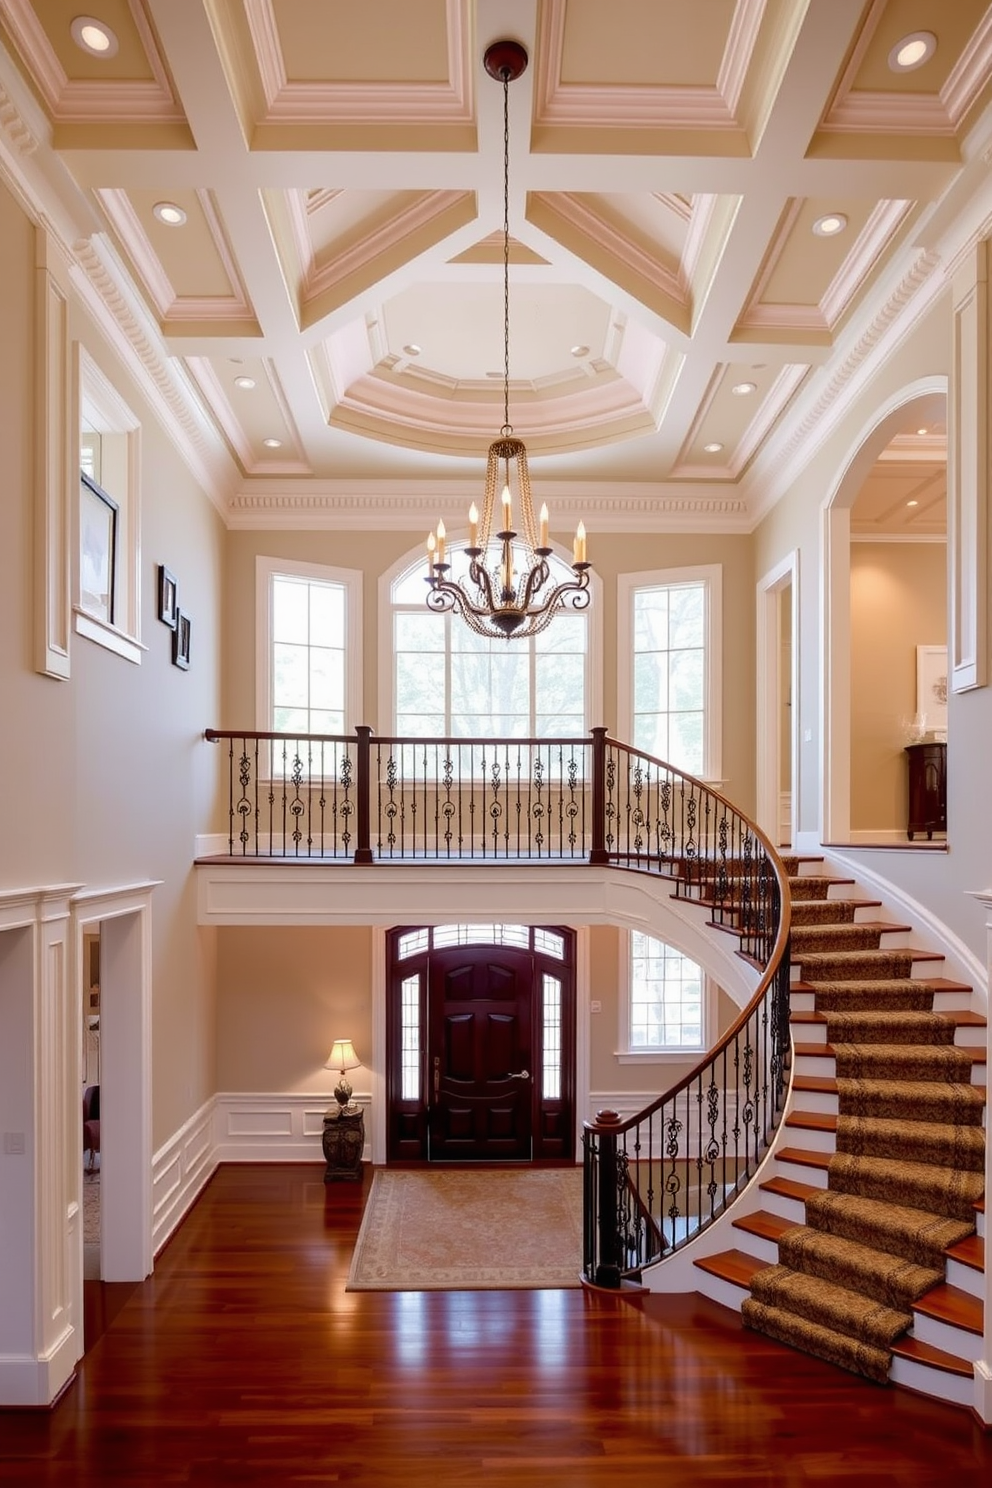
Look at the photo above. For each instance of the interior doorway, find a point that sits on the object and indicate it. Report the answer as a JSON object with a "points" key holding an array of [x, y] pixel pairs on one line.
{"points": [[480, 1043]]}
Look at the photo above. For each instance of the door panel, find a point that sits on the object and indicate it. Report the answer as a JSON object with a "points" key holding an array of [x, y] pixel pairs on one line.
{"points": [[480, 1053]]}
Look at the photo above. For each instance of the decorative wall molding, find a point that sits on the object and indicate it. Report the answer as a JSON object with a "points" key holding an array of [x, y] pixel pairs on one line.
{"points": [[968, 428], [14, 126], [181, 1169], [276, 1126], [54, 467]]}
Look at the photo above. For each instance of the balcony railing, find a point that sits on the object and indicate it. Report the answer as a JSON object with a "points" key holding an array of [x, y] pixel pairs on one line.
{"points": [[651, 1182]]}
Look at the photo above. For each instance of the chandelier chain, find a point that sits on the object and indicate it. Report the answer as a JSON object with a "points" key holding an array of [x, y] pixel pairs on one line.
{"points": [[506, 252]]}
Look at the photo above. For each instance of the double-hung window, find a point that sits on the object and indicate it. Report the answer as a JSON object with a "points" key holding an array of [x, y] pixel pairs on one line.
{"points": [[309, 648], [669, 676]]}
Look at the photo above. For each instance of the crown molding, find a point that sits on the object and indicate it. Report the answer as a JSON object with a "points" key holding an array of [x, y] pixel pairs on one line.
{"points": [[900, 306], [409, 507]]}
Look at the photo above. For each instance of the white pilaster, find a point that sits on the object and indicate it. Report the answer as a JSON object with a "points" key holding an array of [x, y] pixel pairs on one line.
{"points": [[983, 1365], [968, 472]]}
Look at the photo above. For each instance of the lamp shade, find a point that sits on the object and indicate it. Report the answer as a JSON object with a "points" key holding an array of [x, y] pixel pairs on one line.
{"points": [[342, 1056]]}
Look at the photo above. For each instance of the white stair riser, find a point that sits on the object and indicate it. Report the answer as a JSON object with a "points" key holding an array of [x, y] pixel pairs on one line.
{"points": [[957, 1341], [800, 1173], [967, 1037], [758, 1246], [813, 1141], [823, 1102], [825, 1066], [966, 1277], [784, 1207], [980, 1223], [719, 1290], [937, 1383]]}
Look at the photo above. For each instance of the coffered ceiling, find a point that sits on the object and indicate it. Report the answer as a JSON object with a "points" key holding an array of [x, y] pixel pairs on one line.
{"points": [[322, 319]]}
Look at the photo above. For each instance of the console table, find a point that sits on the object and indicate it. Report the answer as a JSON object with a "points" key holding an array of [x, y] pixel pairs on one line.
{"points": [[927, 789], [343, 1142]]}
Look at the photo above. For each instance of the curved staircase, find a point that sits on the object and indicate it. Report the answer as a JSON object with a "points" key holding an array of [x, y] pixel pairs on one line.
{"points": [[868, 1249]]}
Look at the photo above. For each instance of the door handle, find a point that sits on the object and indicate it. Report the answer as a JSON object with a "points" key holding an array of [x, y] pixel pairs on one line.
{"points": [[520, 1075], [437, 1077]]}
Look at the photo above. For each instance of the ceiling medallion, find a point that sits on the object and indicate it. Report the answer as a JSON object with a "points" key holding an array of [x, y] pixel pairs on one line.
{"points": [[506, 591]]}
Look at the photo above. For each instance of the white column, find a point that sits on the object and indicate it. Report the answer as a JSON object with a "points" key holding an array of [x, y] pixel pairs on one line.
{"points": [[40, 1151], [968, 435], [983, 1366]]}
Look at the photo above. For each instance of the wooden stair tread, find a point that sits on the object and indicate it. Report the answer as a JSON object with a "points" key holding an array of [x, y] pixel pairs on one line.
{"points": [[826, 1051], [968, 1252], [961, 1017], [812, 1121], [767, 1226], [735, 1266], [788, 1188], [939, 984], [804, 1157], [917, 1352], [818, 1084], [949, 1304], [915, 953]]}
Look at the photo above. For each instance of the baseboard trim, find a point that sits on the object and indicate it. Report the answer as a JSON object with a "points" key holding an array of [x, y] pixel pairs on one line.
{"points": [[26, 1380]]}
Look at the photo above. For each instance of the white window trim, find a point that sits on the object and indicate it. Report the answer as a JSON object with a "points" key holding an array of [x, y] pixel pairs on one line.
{"points": [[99, 405], [386, 721], [712, 575], [625, 1054], [351, 579]]}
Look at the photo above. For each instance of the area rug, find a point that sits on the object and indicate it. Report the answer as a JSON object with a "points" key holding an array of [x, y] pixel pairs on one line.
{"points": [[470, 1230]]}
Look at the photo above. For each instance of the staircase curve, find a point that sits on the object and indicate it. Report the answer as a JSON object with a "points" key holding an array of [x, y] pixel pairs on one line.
{"points": [[850, 1239]]}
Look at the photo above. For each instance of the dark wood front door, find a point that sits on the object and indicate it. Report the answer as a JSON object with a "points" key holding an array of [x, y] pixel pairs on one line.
{"points": [[480, 1044], [480, 1053]]}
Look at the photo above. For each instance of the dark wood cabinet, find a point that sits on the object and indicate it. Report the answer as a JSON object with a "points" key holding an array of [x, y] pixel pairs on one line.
{"points": [[343, 1142], [927, 789]]}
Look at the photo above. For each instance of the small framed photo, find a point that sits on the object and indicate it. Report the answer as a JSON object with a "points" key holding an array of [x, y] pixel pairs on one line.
{"points": [[181, 641], [168, 597], [97, 549]]}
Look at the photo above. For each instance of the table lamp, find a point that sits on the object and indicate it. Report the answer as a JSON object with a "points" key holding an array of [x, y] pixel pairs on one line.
{"points": [[342, 1057]]}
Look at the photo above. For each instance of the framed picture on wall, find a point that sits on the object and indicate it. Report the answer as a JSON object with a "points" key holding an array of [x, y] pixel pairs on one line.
{"points": [[931, 688], [98, 515], [168, 597], [181, 638]]}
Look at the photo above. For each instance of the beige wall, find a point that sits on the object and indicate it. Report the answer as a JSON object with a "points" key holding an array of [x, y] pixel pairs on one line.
{"points": [[107, 780], [284, 996], [898, 602]]}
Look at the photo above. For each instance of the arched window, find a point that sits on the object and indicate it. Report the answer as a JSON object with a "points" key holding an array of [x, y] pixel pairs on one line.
{"points": [[450, 682]]}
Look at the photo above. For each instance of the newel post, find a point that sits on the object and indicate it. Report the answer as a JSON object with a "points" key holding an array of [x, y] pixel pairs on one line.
{"points": [[597, 850], [609, 1265], [363, 776]]}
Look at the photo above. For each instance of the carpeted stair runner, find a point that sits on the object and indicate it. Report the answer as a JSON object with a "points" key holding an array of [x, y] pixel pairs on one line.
{"points": [[910, 1149]]}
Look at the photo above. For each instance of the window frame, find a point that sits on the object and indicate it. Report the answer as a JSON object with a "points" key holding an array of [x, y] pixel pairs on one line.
{"points": [[102, 414], [625, 983], [350, 579], [710, 575], [593, 616]]}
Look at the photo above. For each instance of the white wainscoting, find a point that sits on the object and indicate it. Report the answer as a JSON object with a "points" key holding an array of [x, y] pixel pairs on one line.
{"points": [[275, 1126], [180, 1170]]}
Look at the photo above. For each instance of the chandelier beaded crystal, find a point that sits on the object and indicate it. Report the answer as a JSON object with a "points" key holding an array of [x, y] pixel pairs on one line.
{"points": [[508, 590]]}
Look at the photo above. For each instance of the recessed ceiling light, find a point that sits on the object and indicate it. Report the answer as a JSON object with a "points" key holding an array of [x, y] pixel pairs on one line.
{"points": [[272, 443], [741, 389], [921, 431], [912, 503], [244, 382], [580, 351], [93, 36], [915, 49], [412, 349], [169, 213], [830, 225], [714, 448]]}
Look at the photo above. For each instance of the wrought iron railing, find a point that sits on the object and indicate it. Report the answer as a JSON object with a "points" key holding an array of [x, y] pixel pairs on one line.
{"points": [[653, 1181]]}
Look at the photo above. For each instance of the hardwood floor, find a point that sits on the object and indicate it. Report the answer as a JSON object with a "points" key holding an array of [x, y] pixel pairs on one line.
{"points": [[244, 1360]]}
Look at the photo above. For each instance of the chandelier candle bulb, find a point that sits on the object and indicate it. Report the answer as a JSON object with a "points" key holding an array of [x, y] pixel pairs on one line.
{"points": [[507, 510], [431, 544], [473, 526], [579, 546], [441, 536], [543, 540]]}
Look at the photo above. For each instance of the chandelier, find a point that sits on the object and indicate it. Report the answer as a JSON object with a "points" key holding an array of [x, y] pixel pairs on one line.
{"points": [[508, 589]]}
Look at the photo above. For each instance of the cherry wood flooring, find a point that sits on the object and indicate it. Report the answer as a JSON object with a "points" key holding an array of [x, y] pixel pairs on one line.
{"points": [[244, 1360]]}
